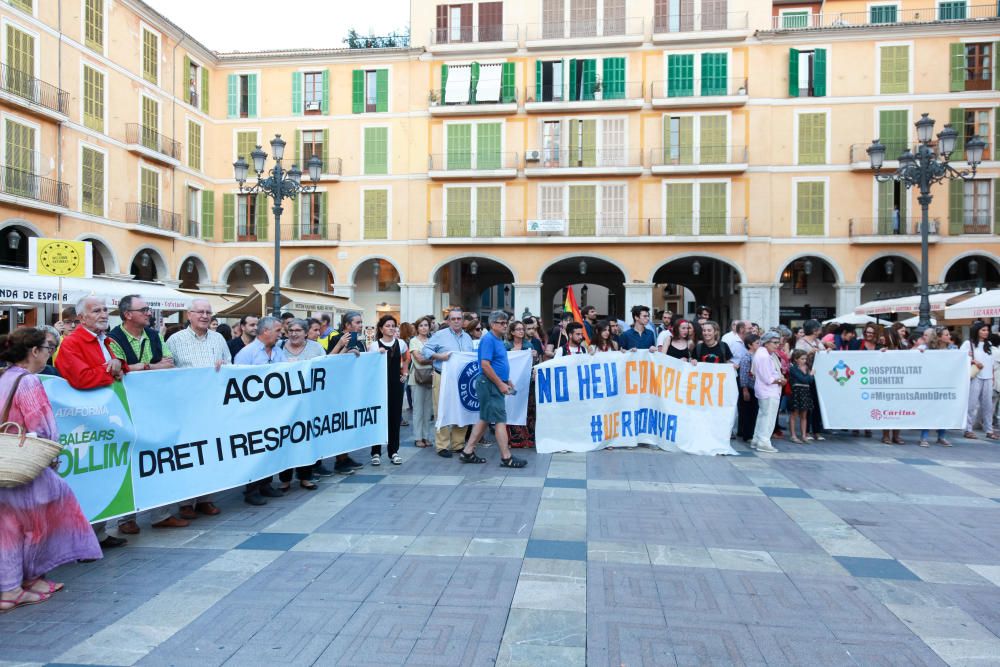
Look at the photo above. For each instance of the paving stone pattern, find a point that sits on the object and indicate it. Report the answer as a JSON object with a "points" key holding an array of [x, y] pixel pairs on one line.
{"points": [[846, 552]]}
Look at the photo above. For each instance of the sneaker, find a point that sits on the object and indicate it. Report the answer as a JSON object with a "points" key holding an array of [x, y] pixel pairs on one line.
{"points": [[254, 499], [943, 442], [767, 449], [396, 459], [342, 468], [376, 460], [444, 453], [924, 443], [322, 471], [352, 464]]}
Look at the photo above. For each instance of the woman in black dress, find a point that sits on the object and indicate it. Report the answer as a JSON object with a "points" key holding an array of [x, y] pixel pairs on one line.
{"points": [[397, 371]]}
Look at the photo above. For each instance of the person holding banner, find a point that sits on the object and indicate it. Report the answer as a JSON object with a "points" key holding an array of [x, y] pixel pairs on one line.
{"points": [[575, 343], [438, 349], [604, 340], [682, 341], [980, 353], [41, 523], [421, 384], [398, 371], [522, 436], [639, 336], [768, 381], [492, 386], [300, 347]]}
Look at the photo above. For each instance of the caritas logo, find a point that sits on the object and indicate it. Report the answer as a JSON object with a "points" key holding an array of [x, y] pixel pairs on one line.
{"points": [[879, 415], [876, 414]]}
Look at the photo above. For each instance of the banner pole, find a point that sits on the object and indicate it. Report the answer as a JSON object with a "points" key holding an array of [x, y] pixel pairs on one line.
{"points": [[59, 312]]}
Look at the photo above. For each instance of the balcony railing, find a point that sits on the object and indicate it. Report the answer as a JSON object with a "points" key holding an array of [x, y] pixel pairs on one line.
{"points": [[191, 228], [583, 158], [473, 34], [980, 222], [463, 161], [887, 225], [618, 27], [677, 23], [680, 156], [136, 133], [137, 213], [436, 98], [309, 230], [593, 225], [877, 16], [21, 183], [474, 229], [705, 87], [706, 225], [33, 90], [585, 92], [332, 166], [893, 149]]}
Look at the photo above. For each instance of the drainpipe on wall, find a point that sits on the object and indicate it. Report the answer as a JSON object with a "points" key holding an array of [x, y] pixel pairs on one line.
{"points": [[173, 130], [59, 164]]}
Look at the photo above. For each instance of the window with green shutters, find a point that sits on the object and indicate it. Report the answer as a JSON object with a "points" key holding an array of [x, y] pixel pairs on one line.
{"points": [[680, 209], [150, 56], [458, 219], [488, 137], [891, 195], [678, 140], [894, 74], [810, 208], [20, 158], [260, 213], [508, 86], [23, 5], [488, 209], [370, 90], [812, 138], [311, 92], [712, 147], [796, 19], [952, 10], [310, 212], [20, 63], [459, 141], [241, 98], [376, 150], [613, 83], [149, 193], [194, 145], [582, 143], [807, 73], [150, 123], [93, 25], [228, 217], [376, 214], [893, 131], [204, 89], [246, 142], [680, 75], [883, 14], [93, 99], [582, 86], [91, 181], [208, 215], [712, 201], [582, 210], [714, 73]]}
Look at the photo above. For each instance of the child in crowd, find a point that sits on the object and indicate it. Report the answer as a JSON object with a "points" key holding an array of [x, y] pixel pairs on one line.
{"points": [[802, 379]]}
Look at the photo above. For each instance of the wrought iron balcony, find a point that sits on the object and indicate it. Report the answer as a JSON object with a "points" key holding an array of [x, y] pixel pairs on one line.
{"points": [[617, 160], [704, 225], [137, 134], [699, 158], [475, 34], [436, 100], [309, 230], [875, 16], [893, 149], [584, 28], [889, 229], [584, 228], [735, 86], [137, 213], [596, 91], [471, 230], [464, 161], [191, 228], [673, 23], [27, 87], [19, 183]]}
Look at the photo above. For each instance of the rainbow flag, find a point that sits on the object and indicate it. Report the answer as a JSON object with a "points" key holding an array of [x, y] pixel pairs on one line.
{"points": [[570, 307]]}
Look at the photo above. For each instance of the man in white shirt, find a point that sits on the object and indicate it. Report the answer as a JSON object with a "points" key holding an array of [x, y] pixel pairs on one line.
{"points": [[734, 339], [575, 343]]}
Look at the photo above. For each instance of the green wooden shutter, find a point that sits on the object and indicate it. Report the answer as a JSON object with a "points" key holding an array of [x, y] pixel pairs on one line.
{"points": [[324, 209], [893, 129], [444, 82], [459, 212], [228, 217], [297, 217], [894, 75], [589, 78], [680, 75], [588, 140], [358, 91], [376, 150], [582, 210], [957, 120], [251, 95], [686, 140], [712, 208], [488, 212], [233, 100], [996, 68], [793, 72], [957, 61], [381, 90], [488, 145], [376, 214], [324, 102], [187, 77], [956, 206], [712, 146], [680, 209], [204, 89], [573, 90], [325, 157], [714, 73], [459, 142], [809, 213], [473, 82], [208, 215], [297, 93], [996, 134], [886, 199], [666, 139], [297, 152], [538, 80], [819, 73], [812, 138], [996, 205], [613, 86], [508, 89], [261, 217]]}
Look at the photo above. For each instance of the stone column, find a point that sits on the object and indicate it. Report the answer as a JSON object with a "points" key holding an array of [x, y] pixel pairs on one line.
{"points": [[637, 294], [527, 295], [345, 290], [848, 297], [759, 303], [416, 300], [217, 288]]}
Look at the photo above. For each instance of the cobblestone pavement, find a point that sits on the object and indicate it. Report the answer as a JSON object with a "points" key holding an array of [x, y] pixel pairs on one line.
{"points": [[846, 552]]}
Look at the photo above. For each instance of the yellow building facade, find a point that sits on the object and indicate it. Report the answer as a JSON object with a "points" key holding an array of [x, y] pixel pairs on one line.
{"points": [[663, 152]]}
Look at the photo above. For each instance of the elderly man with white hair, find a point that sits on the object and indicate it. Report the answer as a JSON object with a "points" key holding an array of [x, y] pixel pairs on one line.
{"points": [[86, 361]]}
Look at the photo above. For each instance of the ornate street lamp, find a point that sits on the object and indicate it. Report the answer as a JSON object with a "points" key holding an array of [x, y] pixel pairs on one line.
{"points": [[922, 170], [279, 184]]}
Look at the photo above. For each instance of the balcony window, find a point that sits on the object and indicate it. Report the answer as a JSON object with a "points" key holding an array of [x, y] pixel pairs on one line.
{"points": [[892, 208], [552, 81], [312, 92], [91, 181], [952, 10], [193, 211], [246, 222], [883, 14], [312, 144], [473, 211], [977, 207], [21, 159], [807, 73], [20, 63], [972, 66], [490, 21], [312, 216], [553, 18], [194, 81], [149, 197], [978, 123], [150, 123]]}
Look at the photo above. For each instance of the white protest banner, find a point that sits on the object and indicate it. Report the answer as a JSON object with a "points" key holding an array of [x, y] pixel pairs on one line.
{"points": [[458, 404], [893, 390], [165, 436], [586, 402]]}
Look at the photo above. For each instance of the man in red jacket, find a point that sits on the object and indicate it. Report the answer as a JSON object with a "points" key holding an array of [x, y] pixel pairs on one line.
{"points": [[86, 362]]}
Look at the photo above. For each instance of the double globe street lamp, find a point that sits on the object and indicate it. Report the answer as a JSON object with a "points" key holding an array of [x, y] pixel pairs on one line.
{"points": [[278, 185], [922, 170]]}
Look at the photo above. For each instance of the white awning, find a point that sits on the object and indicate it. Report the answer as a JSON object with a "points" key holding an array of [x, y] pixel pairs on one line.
{"points": [[986, 304], [488, 87], [456, 91], [915, 320], [20, 286], [851, 318], [908, 304]]}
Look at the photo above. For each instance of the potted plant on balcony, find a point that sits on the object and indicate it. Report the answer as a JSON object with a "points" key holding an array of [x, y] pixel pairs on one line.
{"points": [[597, 89], [432, 98]]}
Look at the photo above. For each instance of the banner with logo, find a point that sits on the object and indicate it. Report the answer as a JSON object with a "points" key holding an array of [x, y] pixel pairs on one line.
{"points": [[587, 402], [893, 390], [458, 404], [165, 436]]}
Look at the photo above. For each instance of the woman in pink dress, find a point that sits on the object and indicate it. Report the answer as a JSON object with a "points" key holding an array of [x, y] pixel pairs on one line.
{"points": [[41, 523]]}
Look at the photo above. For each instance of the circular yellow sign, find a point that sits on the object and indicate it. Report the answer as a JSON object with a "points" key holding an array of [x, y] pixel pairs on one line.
{"points": [[60, 258]]}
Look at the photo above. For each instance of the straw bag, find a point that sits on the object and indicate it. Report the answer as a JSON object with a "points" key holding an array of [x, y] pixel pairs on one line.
{"points": [[22, 457]]}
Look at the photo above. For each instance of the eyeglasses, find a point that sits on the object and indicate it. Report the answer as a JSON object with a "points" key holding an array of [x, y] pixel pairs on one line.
{"points": [[147, 309], [50, 348], [502, 323], [204, 313], [291, 331]]}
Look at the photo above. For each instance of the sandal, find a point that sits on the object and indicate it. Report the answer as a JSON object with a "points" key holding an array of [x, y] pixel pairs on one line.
{"points": [[992, 436], [50, 586], [308, 484], [19, 601], [943, 442], [795, 439], [470, 458], [969, 435], [886, 441], [396, 459], [898, 441], [513, 462], [421, 443]]}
